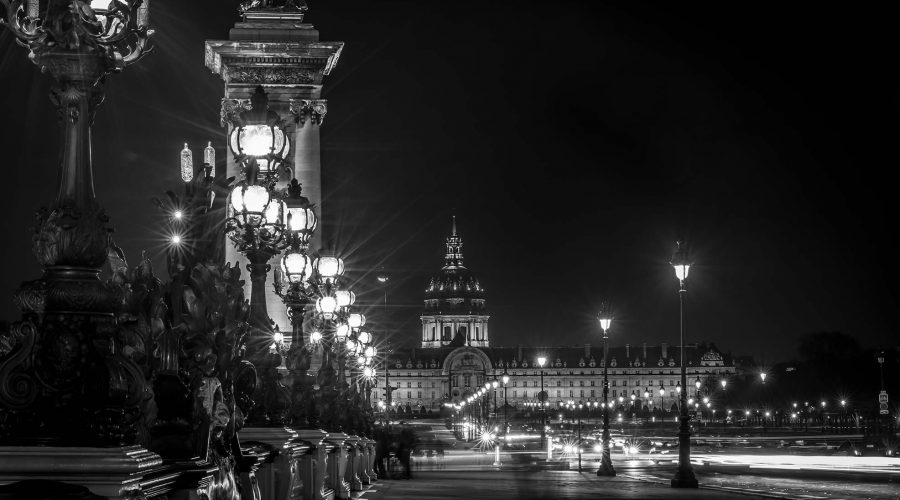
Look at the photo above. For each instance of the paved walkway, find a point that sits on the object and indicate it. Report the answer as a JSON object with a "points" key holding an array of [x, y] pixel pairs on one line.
{"points": [[530, 485]]}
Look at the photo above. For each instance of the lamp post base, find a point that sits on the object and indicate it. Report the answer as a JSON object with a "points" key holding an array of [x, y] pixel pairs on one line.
{"points": [[684, 478], [606, 469]]}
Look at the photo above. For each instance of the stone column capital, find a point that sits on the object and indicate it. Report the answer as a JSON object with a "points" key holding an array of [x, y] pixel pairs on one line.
{"points": [[313, 110]]}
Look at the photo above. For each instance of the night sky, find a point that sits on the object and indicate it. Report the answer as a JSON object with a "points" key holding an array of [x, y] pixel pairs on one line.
{"points": [[575, 142]]}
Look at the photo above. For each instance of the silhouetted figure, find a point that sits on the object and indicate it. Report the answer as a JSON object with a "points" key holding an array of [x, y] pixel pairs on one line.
{"points": [[382, 443], [407, 442]]}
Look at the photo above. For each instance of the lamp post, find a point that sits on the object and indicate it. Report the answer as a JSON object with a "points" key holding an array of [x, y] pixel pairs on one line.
{"points": [[606, 466], [880, 359], [541, 360], [662, 399], [684, 475], [505, 380], [70, 313]]}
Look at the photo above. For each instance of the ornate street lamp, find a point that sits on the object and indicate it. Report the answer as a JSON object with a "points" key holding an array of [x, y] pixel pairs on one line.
{"points": [[69, 364], [684, 475], [606, 466], [258, 134]]}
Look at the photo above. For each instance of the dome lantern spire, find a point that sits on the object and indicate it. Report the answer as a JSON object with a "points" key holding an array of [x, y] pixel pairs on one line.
{"points": [[454, 257]]}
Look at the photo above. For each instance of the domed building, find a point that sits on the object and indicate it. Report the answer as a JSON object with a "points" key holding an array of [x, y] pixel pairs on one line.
{"points": [[455, 358], [455, 313]]}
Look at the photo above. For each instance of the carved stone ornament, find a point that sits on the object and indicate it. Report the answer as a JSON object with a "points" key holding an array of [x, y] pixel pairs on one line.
{"points": [[306, 109], [270, 75], [273, 5], [230, 113]]}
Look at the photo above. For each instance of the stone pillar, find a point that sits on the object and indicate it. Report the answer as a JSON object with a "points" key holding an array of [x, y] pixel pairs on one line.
{"points": [[370, 460], [353, 460], [280, 479], [338, 465], [314, 466], [283, 54]]}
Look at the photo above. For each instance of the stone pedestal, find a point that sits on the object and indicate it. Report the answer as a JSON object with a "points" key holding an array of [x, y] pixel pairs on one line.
{"points": [[281, 479], [314, 465], [353, 463], [363, 471], [369, 463], [108, 472], [338, 465]]}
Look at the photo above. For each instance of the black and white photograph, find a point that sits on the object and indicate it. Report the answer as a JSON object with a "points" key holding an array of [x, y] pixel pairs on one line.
{"points": [[406, 249]]}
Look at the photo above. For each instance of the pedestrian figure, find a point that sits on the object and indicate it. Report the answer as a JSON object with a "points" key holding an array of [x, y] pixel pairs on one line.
{"points": [[381, 452], [407, 442]]}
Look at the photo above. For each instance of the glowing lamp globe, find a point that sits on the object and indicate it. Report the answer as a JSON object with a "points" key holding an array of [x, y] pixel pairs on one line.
{"points": [[351, 345], [326, 305], [494, 384], [315, 337], [361, 361], [369, 352], [487, 385], [296, 267], [266, 143], [356, 320], [249, 203], [301, 221], [680, 261], [505, 379], [274, 214], [278, 337], [697, 383], [605, 322], [364, 337], [541, 360], [342, 331], [369, 372], [345, 298], [329, 268]]}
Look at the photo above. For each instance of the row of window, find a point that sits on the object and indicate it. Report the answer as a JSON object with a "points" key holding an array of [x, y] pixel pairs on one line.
{"points": [[467, 382], [536, 373], [524, 394]]}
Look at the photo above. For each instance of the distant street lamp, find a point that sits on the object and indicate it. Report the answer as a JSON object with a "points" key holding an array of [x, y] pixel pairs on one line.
{"points": [[684, 475], [606, 467], [541, 361], [505, 403], [662, 399], [763, 376]]}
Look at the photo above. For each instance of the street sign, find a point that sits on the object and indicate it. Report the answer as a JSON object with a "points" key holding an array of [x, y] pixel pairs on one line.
{"points": [[883, 408], [883, 397]]}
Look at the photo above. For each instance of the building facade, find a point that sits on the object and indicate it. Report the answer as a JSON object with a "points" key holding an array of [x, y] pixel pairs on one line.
{"points": [[456, 358]]}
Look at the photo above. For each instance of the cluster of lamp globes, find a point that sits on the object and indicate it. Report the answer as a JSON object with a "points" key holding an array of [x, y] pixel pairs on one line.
{"points": [[254, 207], [333, 305]]}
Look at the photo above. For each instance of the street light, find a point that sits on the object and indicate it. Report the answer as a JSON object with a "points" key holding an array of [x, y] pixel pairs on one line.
{"points": [[606, 466], [684, 476], [541, 360], [505, 403], [762, 376]]}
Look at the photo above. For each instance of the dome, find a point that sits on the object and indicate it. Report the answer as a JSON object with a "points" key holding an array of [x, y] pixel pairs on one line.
{"points": [[455, 288]]}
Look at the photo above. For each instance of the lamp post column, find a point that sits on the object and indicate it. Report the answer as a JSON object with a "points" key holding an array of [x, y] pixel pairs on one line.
{"points": [[684, 476], [606, 466], [543, 410]]}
